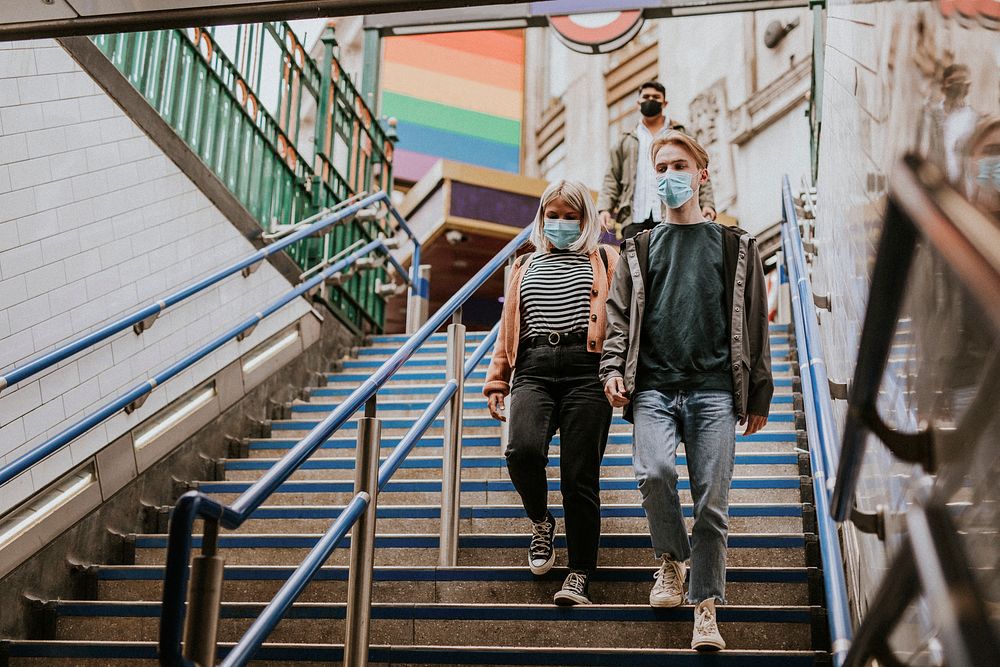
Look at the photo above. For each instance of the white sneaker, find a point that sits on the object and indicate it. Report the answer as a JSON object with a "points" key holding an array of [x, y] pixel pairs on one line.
{"points": [[706, 635], [668, 591]]}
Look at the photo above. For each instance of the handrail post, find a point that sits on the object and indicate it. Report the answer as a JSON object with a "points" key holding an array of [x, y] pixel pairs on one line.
{"points": [[451, 457], [417, 302], [205, 594], [359, 586]]}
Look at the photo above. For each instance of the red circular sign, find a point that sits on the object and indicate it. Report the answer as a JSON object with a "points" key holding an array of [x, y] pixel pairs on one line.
{"points": [[597, 33]]}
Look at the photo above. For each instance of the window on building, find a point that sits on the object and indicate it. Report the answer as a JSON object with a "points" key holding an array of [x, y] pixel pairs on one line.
{"points": [[627, 69]]}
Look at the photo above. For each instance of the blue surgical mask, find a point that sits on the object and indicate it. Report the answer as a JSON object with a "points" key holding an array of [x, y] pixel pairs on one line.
{"points": [[989, 171], [674, 188], [561, 233]]}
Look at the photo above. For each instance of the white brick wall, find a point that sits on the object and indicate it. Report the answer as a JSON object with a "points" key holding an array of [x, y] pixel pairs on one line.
{"points": [[95, 222]]}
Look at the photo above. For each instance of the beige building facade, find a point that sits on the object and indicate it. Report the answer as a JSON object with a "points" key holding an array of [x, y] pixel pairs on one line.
{"points": [[747, 102]]}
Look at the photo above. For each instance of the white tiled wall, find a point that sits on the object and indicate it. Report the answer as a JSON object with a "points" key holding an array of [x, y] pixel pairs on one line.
{"points": [[881, 60], [95, 222]]}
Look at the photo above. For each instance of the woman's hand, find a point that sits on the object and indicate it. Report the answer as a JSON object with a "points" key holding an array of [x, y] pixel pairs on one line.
{"points": [[496, 405], [614, 389]]}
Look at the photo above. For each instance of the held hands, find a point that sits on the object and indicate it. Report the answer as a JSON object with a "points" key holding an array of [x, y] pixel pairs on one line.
{"points": [[496, 405], [754, 423], [614, 389]]}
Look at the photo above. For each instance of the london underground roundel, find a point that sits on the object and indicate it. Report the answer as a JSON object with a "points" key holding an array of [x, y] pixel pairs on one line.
{"points": [[597, 33]]}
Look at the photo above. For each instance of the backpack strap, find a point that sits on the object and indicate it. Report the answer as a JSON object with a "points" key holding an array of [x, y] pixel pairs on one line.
{"points": [[642, 253], [604, 256]]}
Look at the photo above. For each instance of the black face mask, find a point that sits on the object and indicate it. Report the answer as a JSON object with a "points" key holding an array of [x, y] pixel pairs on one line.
{"points": [[651, 108]]}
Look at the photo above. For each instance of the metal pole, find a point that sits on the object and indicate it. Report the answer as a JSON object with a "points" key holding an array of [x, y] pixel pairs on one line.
{"points": [[451, 463], [359, 586], [417, 301], [205, 593]]}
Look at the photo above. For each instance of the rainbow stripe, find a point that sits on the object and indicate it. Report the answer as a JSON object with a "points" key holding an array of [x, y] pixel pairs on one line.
{"points": [[458, 96]]}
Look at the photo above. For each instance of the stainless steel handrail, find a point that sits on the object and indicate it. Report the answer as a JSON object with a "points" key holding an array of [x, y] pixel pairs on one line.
{"points": [[194, 505]]}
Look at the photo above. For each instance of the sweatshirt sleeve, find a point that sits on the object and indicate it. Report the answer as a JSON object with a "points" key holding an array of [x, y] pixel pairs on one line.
{"points": [[616, 336]]}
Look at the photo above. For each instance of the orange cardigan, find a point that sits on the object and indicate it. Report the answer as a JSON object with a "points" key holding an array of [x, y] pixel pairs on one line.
{"points": [[505, 352]]}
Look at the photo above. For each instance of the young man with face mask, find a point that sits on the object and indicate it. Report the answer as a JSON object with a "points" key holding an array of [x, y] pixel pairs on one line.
{"points": [[628, 193], [687, 355]]}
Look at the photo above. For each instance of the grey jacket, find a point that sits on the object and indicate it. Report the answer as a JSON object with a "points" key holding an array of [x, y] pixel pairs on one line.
{"points": [[618, 188], [746, 298]]}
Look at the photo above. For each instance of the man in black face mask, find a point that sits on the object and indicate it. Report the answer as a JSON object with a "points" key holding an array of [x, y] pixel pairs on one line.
{"points": [[629, 190]]}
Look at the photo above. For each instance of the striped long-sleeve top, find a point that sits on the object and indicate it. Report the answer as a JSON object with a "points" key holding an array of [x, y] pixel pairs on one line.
{"points": [[555, 293]]}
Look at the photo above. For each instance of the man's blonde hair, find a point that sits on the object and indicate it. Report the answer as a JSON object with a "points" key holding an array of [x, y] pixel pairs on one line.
{"points": [[686, 142], [578, 196]]}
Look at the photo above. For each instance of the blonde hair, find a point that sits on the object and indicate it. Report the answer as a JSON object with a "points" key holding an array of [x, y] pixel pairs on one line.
{"points": [[686, 142], [578, 196]]}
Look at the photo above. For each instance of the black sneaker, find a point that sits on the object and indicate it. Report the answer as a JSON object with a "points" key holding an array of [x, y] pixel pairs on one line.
{"points": [[541, 553], [575, 590]]}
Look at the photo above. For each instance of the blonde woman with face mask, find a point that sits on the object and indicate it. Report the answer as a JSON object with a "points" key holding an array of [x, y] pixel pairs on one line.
{"points": [[551, 337]]}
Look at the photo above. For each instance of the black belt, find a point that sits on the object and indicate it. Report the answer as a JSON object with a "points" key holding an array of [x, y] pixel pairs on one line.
{"points": [[555, 338]]}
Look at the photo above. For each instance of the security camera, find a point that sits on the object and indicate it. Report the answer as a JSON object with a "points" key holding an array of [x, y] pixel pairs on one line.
{"points": [[454, 237]]}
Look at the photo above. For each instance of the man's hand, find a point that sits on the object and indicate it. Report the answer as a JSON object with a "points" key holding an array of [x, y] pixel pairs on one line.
{"points": [[496, 405], [709, 213], [754, 423], [606, 220], [614, 389]]}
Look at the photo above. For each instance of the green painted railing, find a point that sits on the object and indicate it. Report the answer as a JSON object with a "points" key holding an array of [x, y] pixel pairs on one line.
{"points": [[258, 149]]}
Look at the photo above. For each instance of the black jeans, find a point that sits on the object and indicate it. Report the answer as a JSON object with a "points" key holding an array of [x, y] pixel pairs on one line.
{"points": [[630, 230], [557, 387]]}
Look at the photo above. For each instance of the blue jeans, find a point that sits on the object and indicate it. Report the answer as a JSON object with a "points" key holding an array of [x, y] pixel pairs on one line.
{"points": [[705, 420]]}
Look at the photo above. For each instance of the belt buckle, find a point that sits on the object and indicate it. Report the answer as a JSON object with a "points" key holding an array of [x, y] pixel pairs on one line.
{"points": [[554, 337]]}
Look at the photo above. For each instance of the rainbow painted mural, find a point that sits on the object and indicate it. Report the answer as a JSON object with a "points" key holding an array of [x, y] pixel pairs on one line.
{"points": [[458, 96]]}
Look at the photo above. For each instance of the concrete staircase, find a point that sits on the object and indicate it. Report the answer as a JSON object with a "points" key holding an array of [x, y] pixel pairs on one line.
{"points": [[489, 610]]}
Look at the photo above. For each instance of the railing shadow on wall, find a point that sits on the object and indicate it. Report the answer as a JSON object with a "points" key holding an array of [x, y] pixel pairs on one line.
{"points": [[370, 256], [933, 559], [214, 104]]}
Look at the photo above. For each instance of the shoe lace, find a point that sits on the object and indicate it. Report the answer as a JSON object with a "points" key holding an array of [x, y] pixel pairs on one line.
{"points": [[705, 623], [540, 540], [575, 582], [667, 576]]}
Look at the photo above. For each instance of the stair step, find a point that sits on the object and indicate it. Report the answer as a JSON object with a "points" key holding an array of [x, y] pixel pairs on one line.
{"points": [[782, 422], [406, 392], [476, 445], [780, 345], [476, 414], [597, 625], [749, 464], [632, 549], [479, 374], [51, 653], [434, 355], [383, 339], [756, 517], [771, 489], [503, 585], [320, 395]]}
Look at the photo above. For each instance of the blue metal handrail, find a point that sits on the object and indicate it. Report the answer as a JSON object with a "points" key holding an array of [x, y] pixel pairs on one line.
{"points": [[195, 504], [63, 438], [290, 591], [74, 347], [820, 427]]}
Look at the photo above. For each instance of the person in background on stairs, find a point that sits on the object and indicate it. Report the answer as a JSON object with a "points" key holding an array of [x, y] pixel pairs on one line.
{"points": [[687, 355], [551, 337], [628, 194]]}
